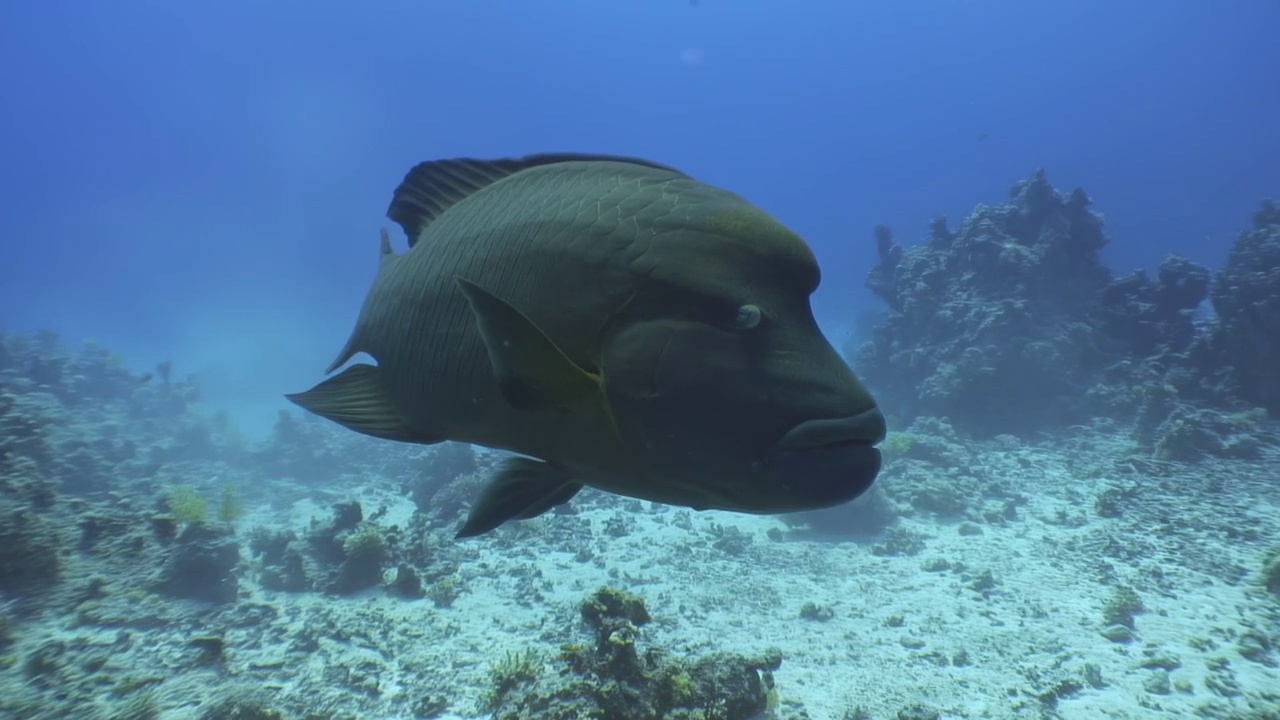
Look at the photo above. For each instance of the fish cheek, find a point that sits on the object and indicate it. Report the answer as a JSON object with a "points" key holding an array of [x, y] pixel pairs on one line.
{"points": [[704, 364], [661, 358], [632, 357], [675, 384]]}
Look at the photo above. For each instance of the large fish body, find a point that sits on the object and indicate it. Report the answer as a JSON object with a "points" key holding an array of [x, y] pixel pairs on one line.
{"points": [[618, 324]]}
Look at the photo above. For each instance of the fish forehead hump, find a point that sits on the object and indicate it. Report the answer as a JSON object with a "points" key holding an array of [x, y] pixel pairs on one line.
{"points": [[659, 223], [726, 244]]}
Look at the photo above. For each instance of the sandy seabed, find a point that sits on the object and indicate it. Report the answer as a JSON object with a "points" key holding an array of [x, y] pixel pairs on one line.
{"points": [[1004, 615]]}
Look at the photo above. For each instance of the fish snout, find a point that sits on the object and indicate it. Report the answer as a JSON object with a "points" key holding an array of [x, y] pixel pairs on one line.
{"points": [[865, 428]]}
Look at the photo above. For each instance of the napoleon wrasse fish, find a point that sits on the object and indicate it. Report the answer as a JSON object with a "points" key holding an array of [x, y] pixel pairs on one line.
{"points": [[616, 323]]}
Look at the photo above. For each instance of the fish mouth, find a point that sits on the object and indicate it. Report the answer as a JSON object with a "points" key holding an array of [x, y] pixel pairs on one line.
{"points": [[865, 428], [823, 463]]}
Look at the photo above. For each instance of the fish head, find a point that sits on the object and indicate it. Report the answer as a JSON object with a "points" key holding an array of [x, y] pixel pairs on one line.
{"points": [[721, 380]]}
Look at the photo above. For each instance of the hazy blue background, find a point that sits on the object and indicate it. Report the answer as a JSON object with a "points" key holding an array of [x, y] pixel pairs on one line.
{"points": [[204, 181]]}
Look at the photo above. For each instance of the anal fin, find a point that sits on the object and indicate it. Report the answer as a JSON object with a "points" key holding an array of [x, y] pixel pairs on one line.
{"points": [[356, 400], [523, 488]]}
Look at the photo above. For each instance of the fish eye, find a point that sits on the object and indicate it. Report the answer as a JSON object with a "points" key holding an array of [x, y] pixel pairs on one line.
{"points": [[748, 317]]}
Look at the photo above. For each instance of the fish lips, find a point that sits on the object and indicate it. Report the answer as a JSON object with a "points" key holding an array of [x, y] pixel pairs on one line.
{"points": [[830, 461], [865, 428]]}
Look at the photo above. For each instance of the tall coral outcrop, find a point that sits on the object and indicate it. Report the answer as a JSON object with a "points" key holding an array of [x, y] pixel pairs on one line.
{"points": [[1246, 298], [1013, 323], [991, 325]]}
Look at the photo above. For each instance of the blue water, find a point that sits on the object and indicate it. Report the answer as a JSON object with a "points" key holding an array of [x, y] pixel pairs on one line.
{"points": [[205, 181]]}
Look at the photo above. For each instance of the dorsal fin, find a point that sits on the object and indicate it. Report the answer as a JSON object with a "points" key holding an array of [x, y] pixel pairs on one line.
{"points": [[386, 256], [385, 253], [431, 187]]}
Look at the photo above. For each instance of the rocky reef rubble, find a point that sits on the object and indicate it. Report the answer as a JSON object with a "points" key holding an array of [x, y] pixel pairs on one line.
{"points": [[103, 460], [611, 677], [340, 555], [1013, 324]]}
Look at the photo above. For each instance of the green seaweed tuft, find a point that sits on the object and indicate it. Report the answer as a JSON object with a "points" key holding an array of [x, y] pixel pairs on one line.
{"points": [[230, 509], [187, 506], [898, 443], [512, 671], [1271, 570]]}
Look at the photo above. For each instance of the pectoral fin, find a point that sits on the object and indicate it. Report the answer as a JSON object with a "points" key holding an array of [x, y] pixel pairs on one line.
{"points": [[356, 399], [533, 373], [523, 488]]}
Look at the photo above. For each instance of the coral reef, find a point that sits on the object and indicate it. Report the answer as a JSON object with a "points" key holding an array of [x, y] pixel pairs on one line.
{"points": [[449, 462], [936, 475], [201, 565], [612, 677], [81, 428], [1246, 298], [90, 426], [991, 326], [341, 554], [303, 448], [314, 451], [1013, 324], [30, 547]]}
